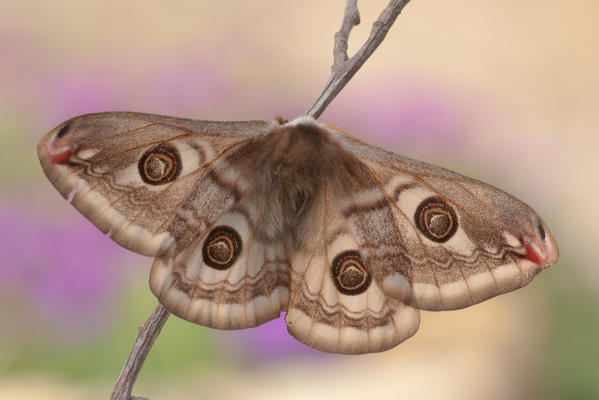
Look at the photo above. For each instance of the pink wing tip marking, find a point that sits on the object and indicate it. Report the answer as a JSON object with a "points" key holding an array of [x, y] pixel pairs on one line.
{"points": [[61, 158], [532, 254], [543, 253]]}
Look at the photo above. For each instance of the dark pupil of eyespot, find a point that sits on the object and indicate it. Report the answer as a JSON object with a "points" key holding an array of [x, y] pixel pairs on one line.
{"points": [[352, 275], [349, 273], [160, 165], [220, 249], [157, 167], [436, 219], [438, 222]]}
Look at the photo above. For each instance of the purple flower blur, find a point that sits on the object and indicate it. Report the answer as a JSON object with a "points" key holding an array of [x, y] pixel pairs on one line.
{"points": [[419, 114], [66, 272], [185, 87], [179, 87], [84, 91], [269, 341]]}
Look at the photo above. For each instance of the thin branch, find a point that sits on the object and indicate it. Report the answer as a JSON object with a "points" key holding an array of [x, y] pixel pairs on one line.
{"points": [[351, 18], [146, 335], [344, 68]]}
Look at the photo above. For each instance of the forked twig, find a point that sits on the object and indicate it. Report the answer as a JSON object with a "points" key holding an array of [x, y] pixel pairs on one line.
{"points": [[343, 69]]}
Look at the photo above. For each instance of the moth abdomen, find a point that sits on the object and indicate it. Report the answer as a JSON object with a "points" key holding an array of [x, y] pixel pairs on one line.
{"points": [[296, 161]]}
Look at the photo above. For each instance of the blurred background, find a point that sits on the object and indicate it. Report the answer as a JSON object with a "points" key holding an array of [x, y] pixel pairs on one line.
{"points": [[506, 92]]}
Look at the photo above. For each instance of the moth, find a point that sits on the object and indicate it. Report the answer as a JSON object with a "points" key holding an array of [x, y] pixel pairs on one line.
{"points": [[247, 219]]}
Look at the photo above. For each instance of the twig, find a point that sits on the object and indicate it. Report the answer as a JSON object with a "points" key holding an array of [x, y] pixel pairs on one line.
{"points": [[351, 18], [146, 335], [344, 68], [342, 71]]}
